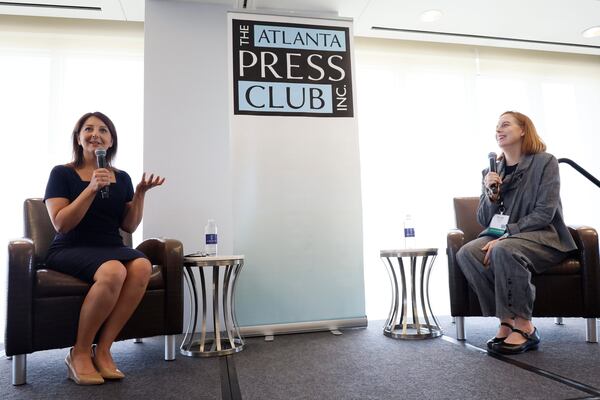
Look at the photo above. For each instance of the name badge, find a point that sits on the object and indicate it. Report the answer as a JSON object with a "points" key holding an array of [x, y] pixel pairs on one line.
{"points": [[498, 224]]}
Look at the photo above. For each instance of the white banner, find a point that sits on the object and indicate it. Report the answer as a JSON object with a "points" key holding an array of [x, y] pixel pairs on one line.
{"points": [[296, 171]]}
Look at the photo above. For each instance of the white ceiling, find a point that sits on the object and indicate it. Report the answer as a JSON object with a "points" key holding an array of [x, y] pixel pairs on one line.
{"points": [[554, 25], [121, 10]]}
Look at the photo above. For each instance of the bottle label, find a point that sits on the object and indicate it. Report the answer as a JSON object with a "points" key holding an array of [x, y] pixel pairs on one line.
{"points": [[211, 238], [409, 232]]}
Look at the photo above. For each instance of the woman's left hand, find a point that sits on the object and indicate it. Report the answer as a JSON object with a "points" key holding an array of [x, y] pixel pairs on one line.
{"points": [[147, 184], [488, 249]]}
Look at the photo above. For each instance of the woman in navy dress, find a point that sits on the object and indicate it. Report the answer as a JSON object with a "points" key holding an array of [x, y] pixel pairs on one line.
{"points": [[88, 244]]}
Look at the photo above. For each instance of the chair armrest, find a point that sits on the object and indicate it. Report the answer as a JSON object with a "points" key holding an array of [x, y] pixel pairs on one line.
{"points": [[458, 285], [455, 240], [169, 254], [19, 302], [586, 239]]}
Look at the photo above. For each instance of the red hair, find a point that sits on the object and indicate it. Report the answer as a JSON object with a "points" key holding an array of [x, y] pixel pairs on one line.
{"points": [[532, 143]]}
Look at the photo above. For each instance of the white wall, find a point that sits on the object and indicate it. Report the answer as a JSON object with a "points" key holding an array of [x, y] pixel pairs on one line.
{"points": [[186, 122], [186, 136], [187, 139]]}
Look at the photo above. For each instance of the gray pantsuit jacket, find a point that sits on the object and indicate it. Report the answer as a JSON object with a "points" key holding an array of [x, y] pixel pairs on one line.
{"points": [[531, 197]]}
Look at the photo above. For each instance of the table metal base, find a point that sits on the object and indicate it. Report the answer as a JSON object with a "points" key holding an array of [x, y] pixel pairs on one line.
{"points": [[209, 349], [225, 338], [410, 294], [413, 331]]}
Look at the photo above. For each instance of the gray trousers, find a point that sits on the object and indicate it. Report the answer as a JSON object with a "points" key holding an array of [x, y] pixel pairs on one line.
{"points": [[504, 287]]}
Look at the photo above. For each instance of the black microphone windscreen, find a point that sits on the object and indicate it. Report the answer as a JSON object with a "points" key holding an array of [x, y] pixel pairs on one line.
{"points": [[492, 157], [101, 157], [101, 160]]}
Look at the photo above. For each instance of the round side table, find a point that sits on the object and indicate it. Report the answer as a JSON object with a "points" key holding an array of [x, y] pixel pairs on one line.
{"points": [[226, 338], [424, 323]]}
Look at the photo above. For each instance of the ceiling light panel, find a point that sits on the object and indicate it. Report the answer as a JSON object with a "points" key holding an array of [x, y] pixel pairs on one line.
{"points": [[557, 25], [90, 9], [431, 16], [592, 32]]}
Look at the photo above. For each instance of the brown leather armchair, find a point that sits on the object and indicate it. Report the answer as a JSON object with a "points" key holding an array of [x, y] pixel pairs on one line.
{"points": [[570, 289], [43, 305]]}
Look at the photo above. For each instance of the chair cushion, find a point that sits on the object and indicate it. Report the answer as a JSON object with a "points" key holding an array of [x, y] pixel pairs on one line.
{"points": [[50, 283], [569, 266]]}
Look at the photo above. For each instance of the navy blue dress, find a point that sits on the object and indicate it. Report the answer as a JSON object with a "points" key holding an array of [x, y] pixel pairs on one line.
{"points": [[96, 239]]}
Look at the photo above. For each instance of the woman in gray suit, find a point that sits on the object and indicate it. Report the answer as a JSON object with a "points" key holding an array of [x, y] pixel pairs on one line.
{"points": [[521, 208]]}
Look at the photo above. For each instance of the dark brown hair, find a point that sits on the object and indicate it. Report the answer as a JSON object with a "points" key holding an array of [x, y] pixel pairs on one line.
{"points": [[78, 150]]}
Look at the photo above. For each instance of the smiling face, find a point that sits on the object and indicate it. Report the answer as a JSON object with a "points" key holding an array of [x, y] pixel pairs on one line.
{"points": [[508, 132], [94, 134], [92, 131]]}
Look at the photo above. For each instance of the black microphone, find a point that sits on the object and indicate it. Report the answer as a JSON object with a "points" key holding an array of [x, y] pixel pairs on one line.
{"points": [[101, 161], [492, 158]]}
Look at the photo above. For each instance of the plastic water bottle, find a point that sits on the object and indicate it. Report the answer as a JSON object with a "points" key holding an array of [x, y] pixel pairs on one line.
{"points": [[210, 235], [409, 232]]}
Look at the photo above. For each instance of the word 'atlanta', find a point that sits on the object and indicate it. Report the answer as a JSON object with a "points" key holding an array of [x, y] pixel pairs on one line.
{"points": [[302, 38]]}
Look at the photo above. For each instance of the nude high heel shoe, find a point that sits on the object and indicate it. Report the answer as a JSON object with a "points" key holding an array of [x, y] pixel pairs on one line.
{"points": [[93, 378], [106, 373]]}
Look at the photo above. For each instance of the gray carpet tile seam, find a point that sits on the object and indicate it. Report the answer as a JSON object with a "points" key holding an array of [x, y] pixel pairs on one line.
{"points": [[592, 391], [563, 349]]}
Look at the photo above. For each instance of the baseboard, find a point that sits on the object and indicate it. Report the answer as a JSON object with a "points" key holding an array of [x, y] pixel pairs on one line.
{"points": [[304, 327]]}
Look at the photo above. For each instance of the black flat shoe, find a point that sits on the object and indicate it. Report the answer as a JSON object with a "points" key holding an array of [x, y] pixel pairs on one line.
{"points": [[532, 340], [496, 339]]}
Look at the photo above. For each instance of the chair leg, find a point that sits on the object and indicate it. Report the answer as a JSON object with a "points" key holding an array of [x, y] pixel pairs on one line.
{"points": [[558, 321], [169, 347], [460, 328], [19, 369], [591, 333], [138, 340]]}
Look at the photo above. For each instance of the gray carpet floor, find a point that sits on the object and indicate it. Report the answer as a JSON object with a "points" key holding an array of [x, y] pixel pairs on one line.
{"points": [[148, 376], [360, 364], [563, 349]]}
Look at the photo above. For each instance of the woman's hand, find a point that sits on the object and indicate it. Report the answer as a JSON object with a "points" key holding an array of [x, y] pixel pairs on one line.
{"points": [[488, 250], [135, 208], [492, 178], [147, 184], [100, 178]]}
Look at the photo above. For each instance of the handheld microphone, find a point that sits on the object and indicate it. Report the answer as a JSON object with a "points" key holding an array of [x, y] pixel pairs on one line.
{"points": [[101, 161], [492, 158]]}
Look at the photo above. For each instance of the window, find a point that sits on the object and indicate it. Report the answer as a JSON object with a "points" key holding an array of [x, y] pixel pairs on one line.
{"points": [[52, 71], [427, 115]]}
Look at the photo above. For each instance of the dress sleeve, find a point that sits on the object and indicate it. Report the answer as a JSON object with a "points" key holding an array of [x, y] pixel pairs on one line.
{"points": [[128, 187], [58, 183]]}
